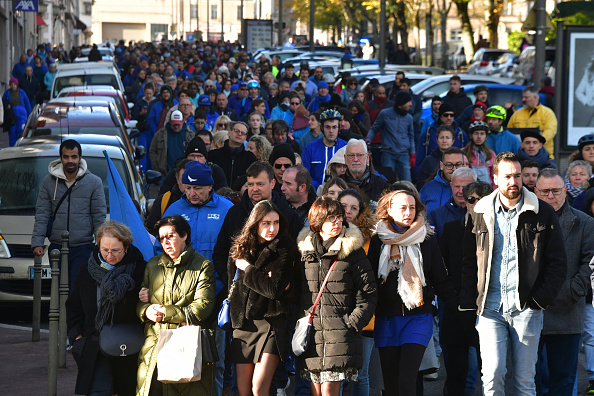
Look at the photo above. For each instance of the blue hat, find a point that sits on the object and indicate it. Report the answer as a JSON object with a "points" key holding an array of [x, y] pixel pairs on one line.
{"points": [[234, 87], [323, 84], [197, 174], [242, 83], [204, 100], [199, 79], [144, 58]]}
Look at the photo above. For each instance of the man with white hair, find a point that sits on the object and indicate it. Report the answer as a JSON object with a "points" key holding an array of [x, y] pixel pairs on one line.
{"points": [[358, 171]]}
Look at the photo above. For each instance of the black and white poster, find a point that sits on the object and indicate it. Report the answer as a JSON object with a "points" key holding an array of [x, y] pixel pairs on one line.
{"points": [[580, 87]]}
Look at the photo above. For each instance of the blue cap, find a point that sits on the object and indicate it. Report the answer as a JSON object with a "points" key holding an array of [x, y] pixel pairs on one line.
{"points": [[234, 87], [197, 174], [323, 84], [144, 58], [242, 84], [204, 100]]}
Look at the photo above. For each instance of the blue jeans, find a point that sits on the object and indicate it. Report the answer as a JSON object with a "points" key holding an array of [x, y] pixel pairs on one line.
{"points": [[397, 162], [588, 340], [557, 364], [521, 331], [473, 369], [361, 387], [220, 366]]}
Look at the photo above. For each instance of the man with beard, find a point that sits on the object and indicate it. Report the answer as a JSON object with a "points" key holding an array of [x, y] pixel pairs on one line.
{"points": [[359, 173], [514, 266], [74, 198], [398, 136]]}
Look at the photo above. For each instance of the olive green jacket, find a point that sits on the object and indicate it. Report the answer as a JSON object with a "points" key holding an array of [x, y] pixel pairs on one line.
{"points": [[188, 282]]}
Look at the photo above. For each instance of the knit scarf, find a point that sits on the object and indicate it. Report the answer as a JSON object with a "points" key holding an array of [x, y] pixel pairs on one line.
{"points": [[113, 285], [357, 182], [571, 190], [401, 251]]}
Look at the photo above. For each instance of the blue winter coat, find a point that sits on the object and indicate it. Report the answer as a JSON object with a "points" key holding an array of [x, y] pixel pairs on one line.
{"points": [[503, 141], [435, 193], [461, 140], [242, 107], [542, 157], [279, 114], [155, 113], [444, 214], [205, 222], [398, 133], [316, 156], [315, 103]]}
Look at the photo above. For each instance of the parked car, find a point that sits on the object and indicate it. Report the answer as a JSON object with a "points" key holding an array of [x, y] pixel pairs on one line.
{"points": [[504, 66], [22, 170], [498, 94], [100, 91], [86, 74], [523, 71], [483, 60], [387, 80], [437, 85]]}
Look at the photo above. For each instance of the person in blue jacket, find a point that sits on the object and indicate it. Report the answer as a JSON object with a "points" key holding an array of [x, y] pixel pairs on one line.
{"points": [[499, 139], [318, 153], [323, 96], [19, 102], [428, 139], [202, 208], [398, 136], [242, 106], [438, 191], [158, 112], [532, 148]]}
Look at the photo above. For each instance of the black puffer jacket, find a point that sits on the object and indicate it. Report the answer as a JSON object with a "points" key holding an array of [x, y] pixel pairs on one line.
{"points": [[258, 290], [347, 303]]}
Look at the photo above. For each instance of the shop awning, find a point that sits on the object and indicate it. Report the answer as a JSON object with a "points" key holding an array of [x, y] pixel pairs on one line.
{"points": [[78, 24], [40, 21]]}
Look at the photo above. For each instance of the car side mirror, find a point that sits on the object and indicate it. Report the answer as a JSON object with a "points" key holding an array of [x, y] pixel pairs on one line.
{"points": [[140, 152], [153, 177], [134, 133]]}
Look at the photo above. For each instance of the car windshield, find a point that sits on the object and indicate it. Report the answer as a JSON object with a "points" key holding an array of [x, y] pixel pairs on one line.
{"points": [[84, 80], [73, 130], [20, 179], [491, 56]]}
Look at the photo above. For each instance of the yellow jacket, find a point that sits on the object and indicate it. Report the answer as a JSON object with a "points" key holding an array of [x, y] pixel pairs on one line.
{"points": [[539, 116]]}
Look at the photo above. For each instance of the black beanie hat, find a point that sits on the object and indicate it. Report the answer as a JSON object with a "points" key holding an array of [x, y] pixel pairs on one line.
{"points": [[445, 107], [196, 145], [402, 98], [282, 150]]}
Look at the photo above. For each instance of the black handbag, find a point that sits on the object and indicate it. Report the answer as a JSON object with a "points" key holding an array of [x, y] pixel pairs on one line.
{"points": [[9, 117], [121, 339], [210, 353]]}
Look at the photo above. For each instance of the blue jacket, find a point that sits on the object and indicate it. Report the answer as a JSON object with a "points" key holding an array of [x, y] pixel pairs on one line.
{"points": [[242, 107], [205, 222], [279, 114], [155, 114], [435, 193], [397, 131], [428, 142], [316, 156], [24, 100], [19, 69], [429, 165], [315, 103], [444, 214], [427, 121], [542, 157], [503, 141]]}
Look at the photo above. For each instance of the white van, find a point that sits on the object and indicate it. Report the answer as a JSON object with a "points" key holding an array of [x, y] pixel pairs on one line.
{"points": [[86, 74]]}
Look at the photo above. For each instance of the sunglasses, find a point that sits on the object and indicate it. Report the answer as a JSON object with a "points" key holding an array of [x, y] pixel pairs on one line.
{"points": [[448, 115], [280, 166], [472, 200]]}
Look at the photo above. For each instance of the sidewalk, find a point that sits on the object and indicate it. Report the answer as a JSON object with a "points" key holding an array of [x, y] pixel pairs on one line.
{"points": [[25, 364]]}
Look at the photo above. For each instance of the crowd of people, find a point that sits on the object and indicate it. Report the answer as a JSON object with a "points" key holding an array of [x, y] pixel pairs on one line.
{"points": [[274, 183]]}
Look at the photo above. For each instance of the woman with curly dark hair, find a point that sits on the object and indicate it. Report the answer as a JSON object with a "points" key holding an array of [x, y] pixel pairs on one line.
{"points": [[261, 261]]}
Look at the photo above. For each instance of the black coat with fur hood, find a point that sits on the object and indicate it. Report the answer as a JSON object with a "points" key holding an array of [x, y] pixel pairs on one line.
{"points": [[347, 303], [259, 290]]}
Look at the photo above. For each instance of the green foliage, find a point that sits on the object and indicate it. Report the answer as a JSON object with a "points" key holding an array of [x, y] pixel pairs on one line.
{"points": [[514, 41]]}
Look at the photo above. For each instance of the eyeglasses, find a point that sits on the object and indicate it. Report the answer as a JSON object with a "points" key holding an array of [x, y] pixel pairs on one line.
{"points": [[449, 165], [448, 115], [353, 156], [185, 105], [471, 200], [167, 237], [555, 191], [224, 125], [114, 253], [354, 83], [333, 218], [280, 166], [243, 89], [237, 131], [331, 127], [295, 103]]}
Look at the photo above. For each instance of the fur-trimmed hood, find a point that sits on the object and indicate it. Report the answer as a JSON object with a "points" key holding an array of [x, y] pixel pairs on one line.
{"points": [[349, 240]]}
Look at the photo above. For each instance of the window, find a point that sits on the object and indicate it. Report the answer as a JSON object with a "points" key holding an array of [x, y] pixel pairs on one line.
{"points": [[194, 11], [214, 11], [455, 34], [88, 8], [239, 13]]}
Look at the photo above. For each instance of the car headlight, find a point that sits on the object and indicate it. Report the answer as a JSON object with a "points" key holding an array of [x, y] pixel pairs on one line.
{"points": [[4, 252]]}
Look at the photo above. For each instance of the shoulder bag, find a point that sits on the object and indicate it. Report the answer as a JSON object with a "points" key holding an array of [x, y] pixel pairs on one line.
{"points": [[121, 339], [50, 221], [303, 329], [224, 317]]}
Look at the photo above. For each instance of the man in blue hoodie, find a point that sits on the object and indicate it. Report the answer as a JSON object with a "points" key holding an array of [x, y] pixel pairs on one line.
{"points": [[531, 148], [398, 136], [323, 96]]}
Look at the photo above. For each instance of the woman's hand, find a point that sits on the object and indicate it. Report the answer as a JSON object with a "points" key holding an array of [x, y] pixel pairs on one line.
{"points": [[78, 337], [143, 295], [155, 312], [241, 264]]}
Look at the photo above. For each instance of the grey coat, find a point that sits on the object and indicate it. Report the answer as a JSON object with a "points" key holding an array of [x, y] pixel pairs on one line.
{"points": [[566, 315], [80, 214]]}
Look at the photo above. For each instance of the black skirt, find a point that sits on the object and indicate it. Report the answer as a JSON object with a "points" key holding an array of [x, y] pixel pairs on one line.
{"points": [[257, 337]]}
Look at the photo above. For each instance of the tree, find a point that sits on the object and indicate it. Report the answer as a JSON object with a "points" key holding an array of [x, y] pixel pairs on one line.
{"points": [[495, 8], [443, 15], [467, 32]]}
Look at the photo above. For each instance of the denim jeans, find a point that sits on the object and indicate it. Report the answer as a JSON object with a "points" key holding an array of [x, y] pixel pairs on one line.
{"points": [[588, 340], [521, 331], [220, 366], [557, 364], [398, 162], [361, 388]]}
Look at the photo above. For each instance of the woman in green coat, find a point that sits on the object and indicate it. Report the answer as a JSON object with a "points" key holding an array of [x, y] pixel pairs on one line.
{"points": [[178, 280]]}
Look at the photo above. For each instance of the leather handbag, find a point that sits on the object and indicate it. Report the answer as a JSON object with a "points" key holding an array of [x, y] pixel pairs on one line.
{"points": [[303, 329], [224, 316], [121, 339]]}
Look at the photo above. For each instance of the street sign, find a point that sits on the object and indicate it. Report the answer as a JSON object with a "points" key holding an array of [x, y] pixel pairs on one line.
{"points": [[26, 5], [189, 36]]}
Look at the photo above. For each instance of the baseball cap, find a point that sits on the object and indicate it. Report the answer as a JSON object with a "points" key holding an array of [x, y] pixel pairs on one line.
{"points": [[177, 118]]}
